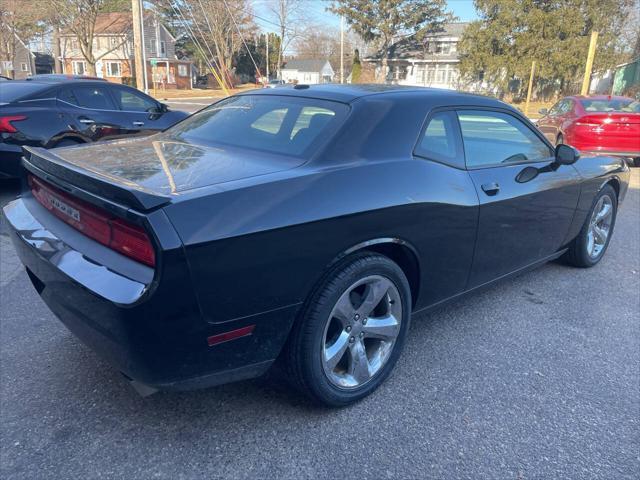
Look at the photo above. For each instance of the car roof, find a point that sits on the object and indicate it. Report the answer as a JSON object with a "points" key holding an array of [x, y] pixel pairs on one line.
{"points": [[600, 97], [350, 93], [52, 84], [60, 77]]}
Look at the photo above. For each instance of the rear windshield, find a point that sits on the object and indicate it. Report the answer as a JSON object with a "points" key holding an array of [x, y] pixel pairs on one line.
{"points": [[12, 91], [611, 105], [274, 124]]}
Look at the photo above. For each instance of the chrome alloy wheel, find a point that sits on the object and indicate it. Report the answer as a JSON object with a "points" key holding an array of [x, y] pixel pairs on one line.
{"points": [[599, 226], [361, 331]]}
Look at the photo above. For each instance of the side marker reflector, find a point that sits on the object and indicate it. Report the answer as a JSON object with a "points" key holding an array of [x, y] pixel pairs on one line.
{"points": [[232, 335]]}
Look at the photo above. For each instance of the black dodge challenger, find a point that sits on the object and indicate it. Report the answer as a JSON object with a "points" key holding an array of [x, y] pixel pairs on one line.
{"points": [[304, 224]]}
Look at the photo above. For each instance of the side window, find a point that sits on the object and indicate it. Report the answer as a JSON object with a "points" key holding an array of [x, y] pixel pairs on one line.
{"points": [[67, 95], [96, 98], [133, 101], [568, 106], [492, 138], [555, 110], [440, 141]]}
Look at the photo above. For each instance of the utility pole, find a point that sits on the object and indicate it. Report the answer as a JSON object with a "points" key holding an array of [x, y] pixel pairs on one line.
{"points": [[56, 51], [137, 13], [341, 49], [587, 69], [267, 57], [526, 105]]}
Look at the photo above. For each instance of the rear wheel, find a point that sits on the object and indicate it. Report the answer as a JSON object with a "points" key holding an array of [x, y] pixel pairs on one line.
{"points": [[589, 246], [351, 332]]}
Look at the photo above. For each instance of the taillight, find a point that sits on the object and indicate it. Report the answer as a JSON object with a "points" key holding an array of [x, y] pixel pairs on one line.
{"points": [[115, 233], [592, 120], [5, 123]]}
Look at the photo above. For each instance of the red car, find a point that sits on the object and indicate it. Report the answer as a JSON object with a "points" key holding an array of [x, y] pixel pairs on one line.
{"points": [[598, 124]]}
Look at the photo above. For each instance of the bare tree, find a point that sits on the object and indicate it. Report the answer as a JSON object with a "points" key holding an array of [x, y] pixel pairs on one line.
{"points": [[19, 24], [79, 17], [323, 43], [290, 18], [220, 26]]}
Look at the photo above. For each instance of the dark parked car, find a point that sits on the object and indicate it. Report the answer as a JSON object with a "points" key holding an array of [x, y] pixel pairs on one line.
{"points": [[305, 224], [55, 112], [61, 77], [598, 124]]}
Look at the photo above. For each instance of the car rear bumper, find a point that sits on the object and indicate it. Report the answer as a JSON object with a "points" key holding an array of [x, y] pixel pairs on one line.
{"points": [[153, 333]]}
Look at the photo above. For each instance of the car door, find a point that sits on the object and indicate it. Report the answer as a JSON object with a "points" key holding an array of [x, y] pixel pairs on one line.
{"points": [[90, 111], [527, 201], [141, 114]]}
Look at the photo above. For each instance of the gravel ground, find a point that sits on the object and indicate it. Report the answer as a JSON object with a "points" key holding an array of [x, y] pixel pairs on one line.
{"points": [[538, 377]]}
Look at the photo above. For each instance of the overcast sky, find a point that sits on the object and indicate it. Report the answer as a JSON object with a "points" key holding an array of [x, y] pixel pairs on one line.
{"points": [[318, 15]]}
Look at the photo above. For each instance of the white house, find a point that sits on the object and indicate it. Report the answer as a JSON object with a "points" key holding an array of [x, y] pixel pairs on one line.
{"points": [[429, 62], [307, 71]]}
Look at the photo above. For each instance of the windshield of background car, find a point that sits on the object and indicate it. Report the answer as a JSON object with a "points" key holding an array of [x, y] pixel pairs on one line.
{"points": [[274, 124], [611, 105]]}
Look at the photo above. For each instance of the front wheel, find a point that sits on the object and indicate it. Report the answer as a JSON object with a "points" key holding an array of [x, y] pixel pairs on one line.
{"points": [[589, 246], [351, 332]]}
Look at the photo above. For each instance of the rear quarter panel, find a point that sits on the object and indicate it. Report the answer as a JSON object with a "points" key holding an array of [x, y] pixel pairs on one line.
{"points": [[596, 171], [265, 246]]}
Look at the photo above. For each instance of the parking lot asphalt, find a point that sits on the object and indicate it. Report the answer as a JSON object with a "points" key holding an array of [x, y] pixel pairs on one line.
{"points": [[536, 378]]}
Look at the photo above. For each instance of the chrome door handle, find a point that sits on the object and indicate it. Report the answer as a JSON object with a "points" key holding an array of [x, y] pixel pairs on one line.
{"points": [[86, 121], [138, 124], [491, 188]]}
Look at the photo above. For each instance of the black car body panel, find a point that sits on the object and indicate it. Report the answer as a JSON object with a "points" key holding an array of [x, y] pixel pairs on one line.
{"points": [[242, 237], [50, 120]]}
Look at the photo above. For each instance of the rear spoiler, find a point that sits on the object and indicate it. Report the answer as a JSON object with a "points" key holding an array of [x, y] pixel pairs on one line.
{"points": [[38, 160]]}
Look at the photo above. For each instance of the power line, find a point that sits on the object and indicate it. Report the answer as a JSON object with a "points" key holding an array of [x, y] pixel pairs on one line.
{"points": [[242, 37], [183, 20]]}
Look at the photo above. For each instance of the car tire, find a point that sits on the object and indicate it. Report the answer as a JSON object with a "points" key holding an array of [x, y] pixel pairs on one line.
{"points": [[314, 362], [588, 248], [559, 139]]}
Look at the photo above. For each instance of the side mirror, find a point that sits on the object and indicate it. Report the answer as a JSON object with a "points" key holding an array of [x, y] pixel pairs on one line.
{"points": [[543, 111], [566, 154]]}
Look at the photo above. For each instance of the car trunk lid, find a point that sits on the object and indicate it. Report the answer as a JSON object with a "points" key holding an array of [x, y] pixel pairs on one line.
{"points": [[156, 168]]}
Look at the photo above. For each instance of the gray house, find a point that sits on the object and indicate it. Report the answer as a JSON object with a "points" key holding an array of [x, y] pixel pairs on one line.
{"points": [[307, 71], [431, 61], [16, 60]]}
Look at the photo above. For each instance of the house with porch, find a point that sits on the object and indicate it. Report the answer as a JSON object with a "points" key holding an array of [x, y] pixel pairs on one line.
{"points": [[113, 46], [431, 61]]}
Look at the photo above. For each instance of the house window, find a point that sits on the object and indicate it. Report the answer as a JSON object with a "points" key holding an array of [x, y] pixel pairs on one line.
{"points": [[23, 67], [182, 71], [74, 44], [163, 47], [114, 42], [430, 74], [113, 69], [79, 67], [151, 46]]}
